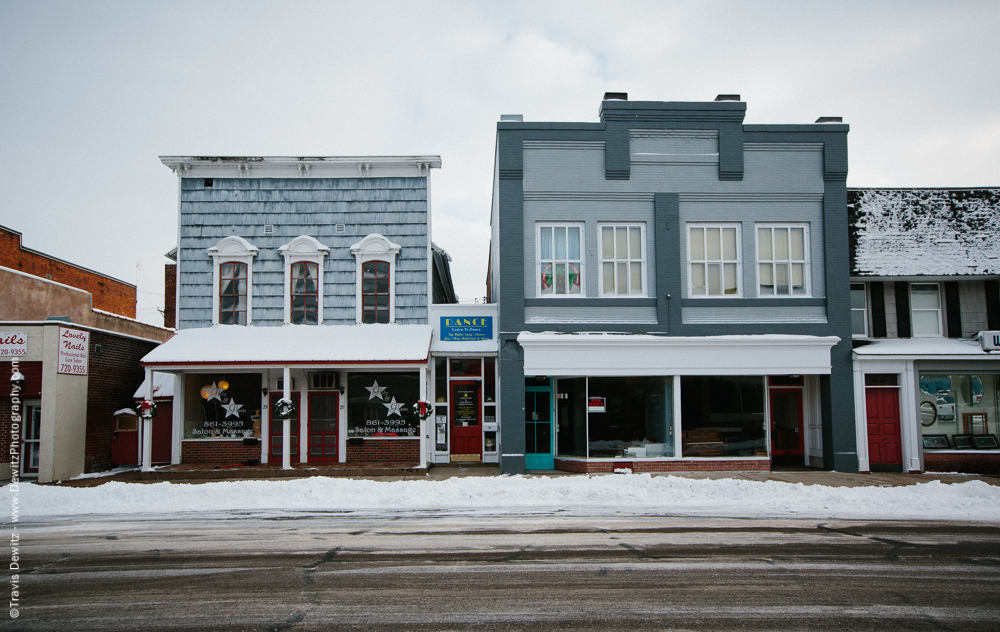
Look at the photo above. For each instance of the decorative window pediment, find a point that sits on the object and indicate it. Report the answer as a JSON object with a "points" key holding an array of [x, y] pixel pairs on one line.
{"points": [[376, 279], [232, 280], [304, 257]]}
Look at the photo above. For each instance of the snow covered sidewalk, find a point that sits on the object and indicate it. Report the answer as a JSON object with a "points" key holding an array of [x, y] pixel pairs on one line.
{"points": [[624, 494]]}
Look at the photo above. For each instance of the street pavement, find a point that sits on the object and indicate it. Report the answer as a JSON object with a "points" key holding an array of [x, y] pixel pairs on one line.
{"points": [[445, 571]]}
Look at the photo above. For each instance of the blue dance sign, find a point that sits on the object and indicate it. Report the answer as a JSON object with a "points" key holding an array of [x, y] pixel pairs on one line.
{"points": [[466, 328]]}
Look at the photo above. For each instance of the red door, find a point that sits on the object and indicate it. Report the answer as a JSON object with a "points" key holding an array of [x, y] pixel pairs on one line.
{"points": [[323, 409], [162, 426], [125, 441], [466, 431], [786, 422], [884, 441], [277, 430]]}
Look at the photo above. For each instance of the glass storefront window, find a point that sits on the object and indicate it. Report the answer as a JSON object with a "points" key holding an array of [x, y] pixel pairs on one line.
{"points": [[571, 415], [959, 411], [722, 415], [636, 418], [383, 405], [222, 405]]}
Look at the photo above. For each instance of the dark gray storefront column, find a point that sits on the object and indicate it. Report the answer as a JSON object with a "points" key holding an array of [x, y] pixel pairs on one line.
{"points": [[511, 406]]}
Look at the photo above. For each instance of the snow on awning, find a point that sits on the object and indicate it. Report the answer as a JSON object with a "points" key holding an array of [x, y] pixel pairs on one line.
{"points": [[929, 348], [624, 354], [235, 345]]}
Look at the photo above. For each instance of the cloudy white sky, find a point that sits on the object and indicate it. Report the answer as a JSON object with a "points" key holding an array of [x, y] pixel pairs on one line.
{"points": [[94, 92]]}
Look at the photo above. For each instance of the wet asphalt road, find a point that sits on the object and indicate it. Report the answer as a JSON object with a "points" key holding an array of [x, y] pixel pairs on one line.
{"points": [[526, 572]]}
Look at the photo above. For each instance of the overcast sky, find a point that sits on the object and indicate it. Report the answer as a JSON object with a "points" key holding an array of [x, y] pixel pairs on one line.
{"points": [[94, 92]]}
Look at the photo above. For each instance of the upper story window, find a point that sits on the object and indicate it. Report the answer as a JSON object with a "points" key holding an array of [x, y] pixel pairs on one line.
{"points": [[233, 293], [304, 258], [623, 261], [782, 260], [925, 309], [714, 260], [232, 278], [376, 275], [859, 310], [375, 292], [559, 261]]}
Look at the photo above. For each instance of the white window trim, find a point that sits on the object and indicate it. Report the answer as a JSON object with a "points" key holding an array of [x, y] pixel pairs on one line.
{"points": [[237, 250], [807, 261], [739, 259], [538, 258], [642, 260], [307, 249], [375, 247], [939, 310], [865, 309]]}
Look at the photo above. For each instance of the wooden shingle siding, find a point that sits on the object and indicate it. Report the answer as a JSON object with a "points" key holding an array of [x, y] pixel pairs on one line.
{"points": [[393, 207]]}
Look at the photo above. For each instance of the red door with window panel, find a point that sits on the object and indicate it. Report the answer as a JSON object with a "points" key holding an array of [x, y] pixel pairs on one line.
{"points": [[277, 430], [466, 431], [786, 422], [324, 407], [884, 440]]}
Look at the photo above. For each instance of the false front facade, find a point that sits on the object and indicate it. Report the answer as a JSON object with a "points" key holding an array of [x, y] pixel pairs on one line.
{"points": [[303, 292], [671, 291]]}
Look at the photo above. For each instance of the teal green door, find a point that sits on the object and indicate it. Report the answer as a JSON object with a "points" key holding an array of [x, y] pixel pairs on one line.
{"points": [[538, 429]]}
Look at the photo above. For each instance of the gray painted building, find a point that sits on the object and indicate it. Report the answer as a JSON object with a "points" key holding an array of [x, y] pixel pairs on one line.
{"points": [[673, 291]]}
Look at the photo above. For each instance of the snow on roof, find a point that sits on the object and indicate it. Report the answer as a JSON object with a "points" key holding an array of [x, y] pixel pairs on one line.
{"points": [[936, 347], [163, 386], [300, 344], [125, 411], [924, 232]]}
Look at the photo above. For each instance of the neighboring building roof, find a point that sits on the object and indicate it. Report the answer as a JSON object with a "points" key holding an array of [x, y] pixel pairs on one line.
{"points": [[443, 290], [924, 232], [294, 344], [163, 386]]}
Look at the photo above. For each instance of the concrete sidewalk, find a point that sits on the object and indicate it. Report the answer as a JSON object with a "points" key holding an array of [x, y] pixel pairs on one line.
{"points": [[393, 472]]}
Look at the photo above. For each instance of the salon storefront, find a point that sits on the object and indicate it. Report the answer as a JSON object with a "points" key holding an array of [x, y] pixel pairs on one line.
{"points": [[611, 402], [359, 394], [927, 404]]}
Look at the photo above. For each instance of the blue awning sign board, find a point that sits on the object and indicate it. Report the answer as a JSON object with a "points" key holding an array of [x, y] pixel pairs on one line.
{"points": [[466, 328]]}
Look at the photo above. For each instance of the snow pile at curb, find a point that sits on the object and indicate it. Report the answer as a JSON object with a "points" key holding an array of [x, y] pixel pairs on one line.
{"points": [[600, 495]]}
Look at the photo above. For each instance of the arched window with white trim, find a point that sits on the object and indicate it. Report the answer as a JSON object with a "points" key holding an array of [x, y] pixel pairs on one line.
{"points": [[232, 281], [376, 279], [304, 258]]}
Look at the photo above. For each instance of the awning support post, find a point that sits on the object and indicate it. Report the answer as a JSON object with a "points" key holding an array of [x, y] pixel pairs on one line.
{"points": [[286, 424], [147, 427]]}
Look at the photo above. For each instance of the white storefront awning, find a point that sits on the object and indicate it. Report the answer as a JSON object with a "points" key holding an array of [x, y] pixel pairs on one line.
{"points": [[924, 349], [233, 345], [600, 354]]}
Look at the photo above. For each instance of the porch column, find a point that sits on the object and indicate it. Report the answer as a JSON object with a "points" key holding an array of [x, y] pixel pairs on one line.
{"points": [[147, 427], [286, 424], [423, 422]]}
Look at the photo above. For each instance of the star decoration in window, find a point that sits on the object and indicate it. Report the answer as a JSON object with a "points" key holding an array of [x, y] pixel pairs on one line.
{"points": [[394, 408], [376, 391], [213, 392], [232, 409]]}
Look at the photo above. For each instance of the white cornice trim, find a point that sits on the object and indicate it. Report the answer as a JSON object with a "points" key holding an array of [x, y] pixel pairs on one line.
{"points": [[301, 167]]}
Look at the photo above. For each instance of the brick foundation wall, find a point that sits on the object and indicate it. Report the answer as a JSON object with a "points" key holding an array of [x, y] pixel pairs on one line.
{"points": [[110, 295], [394, 450], [686, 465], [114, 376], [221, 452], [975, 463]]}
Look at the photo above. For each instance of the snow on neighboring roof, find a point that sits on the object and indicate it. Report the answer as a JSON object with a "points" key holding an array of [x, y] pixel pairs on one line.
{"points": [[937, 347], [125, 411], [924, 232], [163, 386], [302, 344]]}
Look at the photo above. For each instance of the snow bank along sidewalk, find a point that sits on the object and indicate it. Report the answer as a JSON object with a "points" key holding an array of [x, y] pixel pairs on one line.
{"points": [[613, 494]]}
